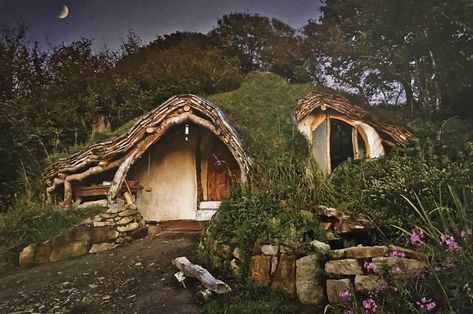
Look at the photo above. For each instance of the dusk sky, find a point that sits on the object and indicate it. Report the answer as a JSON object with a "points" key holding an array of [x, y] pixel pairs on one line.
{"points": [[108, 21]]}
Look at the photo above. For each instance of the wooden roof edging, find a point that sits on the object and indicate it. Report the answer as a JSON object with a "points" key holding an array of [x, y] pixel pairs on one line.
{"points": [[110, 154], [320, 100]]}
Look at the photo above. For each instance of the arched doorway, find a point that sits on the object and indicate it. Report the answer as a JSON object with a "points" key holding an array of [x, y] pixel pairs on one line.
{"points": [[187, 166], [335, 139], [341, 142]]}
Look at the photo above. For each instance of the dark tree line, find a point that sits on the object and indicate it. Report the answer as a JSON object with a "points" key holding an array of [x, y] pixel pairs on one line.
{"points": [[421, 49], [413, 53]]}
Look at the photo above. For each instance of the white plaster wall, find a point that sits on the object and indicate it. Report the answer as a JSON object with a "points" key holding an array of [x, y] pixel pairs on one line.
{"points": [[170, 172], [304, 126], [374, 141]]}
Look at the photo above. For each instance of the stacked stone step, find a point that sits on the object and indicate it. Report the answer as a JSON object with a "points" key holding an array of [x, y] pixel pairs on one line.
{"points": [[349, 263], [124, 219]]}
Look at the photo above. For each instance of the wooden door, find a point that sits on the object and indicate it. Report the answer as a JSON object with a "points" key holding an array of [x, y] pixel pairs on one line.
{"points": [[222, 171]]}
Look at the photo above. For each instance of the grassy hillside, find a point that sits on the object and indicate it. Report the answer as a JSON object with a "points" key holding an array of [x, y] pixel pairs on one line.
{"points": [[261, 110]]}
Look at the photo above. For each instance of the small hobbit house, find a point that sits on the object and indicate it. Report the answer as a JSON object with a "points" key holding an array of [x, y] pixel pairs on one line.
{"points": [[336, 130], [175, 163]]}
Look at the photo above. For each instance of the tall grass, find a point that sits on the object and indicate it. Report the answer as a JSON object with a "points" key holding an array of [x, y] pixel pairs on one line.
{"points": [[448, 244]]}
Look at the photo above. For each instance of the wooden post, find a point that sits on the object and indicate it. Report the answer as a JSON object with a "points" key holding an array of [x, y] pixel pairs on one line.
{"points": [[67, 193]]}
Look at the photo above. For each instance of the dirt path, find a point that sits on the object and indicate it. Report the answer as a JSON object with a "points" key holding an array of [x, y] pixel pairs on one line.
{"points": [[132, 279]]}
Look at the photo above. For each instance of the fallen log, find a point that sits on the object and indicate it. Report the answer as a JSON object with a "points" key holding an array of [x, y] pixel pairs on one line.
{"points": [[191, 270]]}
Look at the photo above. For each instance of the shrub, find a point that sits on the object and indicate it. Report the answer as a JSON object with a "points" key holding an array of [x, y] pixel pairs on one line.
{"points": [[376, 187]]}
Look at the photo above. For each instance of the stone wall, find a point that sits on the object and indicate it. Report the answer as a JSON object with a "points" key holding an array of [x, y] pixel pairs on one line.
{"points": [[360, 270], [321, 275], [117, 225]]}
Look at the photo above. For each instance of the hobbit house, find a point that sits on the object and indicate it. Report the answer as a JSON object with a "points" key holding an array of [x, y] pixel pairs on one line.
{"points": [[336, 130], [175, 163]]}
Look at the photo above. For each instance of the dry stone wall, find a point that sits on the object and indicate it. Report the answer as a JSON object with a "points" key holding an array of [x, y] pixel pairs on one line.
{"points": [[321, 275], [117, 225]]}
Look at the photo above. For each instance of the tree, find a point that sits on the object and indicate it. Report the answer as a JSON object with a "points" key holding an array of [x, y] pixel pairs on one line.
{"points": [[174, 64], [378, 46], [261, 43]]}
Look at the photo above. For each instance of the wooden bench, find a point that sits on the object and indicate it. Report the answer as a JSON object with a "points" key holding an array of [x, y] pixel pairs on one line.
{"points": [[99, 190]]}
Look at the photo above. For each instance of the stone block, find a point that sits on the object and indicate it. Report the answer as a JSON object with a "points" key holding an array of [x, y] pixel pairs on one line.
{"points": [[102, 247], [27, 255], [259, 270], [103, 234], [366, 251], [236, 253], [116, 208], [367, 283], [139, 233], [43, 253], [335, 286], [131, 206], [270, 249], [63, 250], [128, 212], [319, 246], [124, 221], [235, 267], [284, 279], [103, 223], [308, 282], [108, 215], [405, 264], [128, 228], [343, 267]]}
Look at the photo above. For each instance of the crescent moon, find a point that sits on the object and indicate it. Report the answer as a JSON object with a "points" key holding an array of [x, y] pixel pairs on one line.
{"points": [[64, 12]]}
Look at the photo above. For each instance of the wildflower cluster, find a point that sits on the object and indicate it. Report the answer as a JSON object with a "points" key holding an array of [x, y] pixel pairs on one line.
{"points": [[426, 304], [396, 253], [345, 294], [346, 298], [417, 237], [369, 305], [449, 242], [369, 266]]}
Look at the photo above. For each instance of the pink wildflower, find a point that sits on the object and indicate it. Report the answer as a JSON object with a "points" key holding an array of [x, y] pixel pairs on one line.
{"points": [[426, 304], [345, 294], [417, 237], [449, 241], [397, 270], [347, 311], [396, 253], [448, 263], [370, 305], [369, 266]]}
